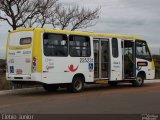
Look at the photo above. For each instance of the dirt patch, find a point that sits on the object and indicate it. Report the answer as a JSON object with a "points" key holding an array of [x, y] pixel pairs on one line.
{"points": [[4, 85]]}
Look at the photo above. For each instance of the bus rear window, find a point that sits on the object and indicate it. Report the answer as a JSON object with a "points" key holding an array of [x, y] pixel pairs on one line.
{"points": [[25, 41]]}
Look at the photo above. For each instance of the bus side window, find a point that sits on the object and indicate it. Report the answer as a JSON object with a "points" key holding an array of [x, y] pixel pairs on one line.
{"points": [[79, 46], [55, 45], [115, 47], [142, 51]]}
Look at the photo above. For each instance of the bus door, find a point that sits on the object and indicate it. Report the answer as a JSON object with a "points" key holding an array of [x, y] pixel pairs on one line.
{"points": [[116, 59], [128, 56], [101, 59]]}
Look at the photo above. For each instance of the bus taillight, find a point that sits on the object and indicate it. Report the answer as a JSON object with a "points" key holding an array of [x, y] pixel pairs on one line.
{"points": [[34, 64]]}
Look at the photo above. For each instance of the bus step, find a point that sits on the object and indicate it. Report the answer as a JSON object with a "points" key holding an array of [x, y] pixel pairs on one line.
{"points": [[101, 81], [131, 77]]}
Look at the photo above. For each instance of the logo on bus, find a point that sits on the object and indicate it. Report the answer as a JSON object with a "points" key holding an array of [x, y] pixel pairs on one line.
{"points": [[72, 68], [138, 68]]}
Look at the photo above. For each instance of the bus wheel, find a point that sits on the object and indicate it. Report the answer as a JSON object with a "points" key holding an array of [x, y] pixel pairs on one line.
{"points": [[139, 81], [50, 87], [112, 83], [76, 85]]}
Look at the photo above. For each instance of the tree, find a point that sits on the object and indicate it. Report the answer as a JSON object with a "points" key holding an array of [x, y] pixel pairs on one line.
{"points": [[37, 13], [18, 12], [84, 18], [45, 12], [66, 17], [74, 17]]}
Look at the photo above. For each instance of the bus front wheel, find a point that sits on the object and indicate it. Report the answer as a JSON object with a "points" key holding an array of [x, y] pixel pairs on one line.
{"points": [[77, 85], [50, 87], [139, 81]]}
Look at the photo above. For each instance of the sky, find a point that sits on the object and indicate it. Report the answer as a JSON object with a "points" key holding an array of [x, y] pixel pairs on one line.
{"points": [[129, 17]]}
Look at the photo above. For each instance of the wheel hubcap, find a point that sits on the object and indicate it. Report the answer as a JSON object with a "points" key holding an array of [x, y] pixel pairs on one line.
{"points": [[78, 85], [139, 80]]}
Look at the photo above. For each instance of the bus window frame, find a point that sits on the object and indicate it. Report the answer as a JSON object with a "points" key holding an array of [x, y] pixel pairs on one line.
{"points": [[21, 41], [88, 37], [56, 45], [117, 48]]}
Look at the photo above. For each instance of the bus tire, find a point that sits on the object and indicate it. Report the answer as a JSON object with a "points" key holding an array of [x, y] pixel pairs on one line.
{"points": [[50, 87], [77, 85], [139, 81]]}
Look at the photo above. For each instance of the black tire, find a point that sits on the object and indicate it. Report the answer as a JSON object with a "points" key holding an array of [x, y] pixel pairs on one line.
{"points": [[112, 83], [77, 85], [139, 81], [50, 87]]}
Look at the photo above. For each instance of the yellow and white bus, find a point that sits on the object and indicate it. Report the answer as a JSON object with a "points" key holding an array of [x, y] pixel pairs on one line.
{"points": [[61, 58]]}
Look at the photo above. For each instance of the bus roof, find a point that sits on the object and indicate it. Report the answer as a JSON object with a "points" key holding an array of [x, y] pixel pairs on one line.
{"points": [[93, 34]]}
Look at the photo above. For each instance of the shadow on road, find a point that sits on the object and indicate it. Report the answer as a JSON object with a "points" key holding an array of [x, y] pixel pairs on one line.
{"points": [[88, 89]]}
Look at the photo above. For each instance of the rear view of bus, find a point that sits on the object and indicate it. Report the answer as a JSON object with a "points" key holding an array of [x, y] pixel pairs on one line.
{"points": [[19, 56]]}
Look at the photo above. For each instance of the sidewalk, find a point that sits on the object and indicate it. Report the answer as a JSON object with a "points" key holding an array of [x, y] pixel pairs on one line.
{"points": [[152, 81]]}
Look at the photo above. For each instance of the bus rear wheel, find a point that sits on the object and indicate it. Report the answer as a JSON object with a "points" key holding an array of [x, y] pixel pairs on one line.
{"points": [[139, 81], [50, 87], [77, 85]]}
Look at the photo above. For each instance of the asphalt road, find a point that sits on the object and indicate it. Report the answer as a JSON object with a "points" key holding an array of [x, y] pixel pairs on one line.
{"points": [[98, 99]]}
